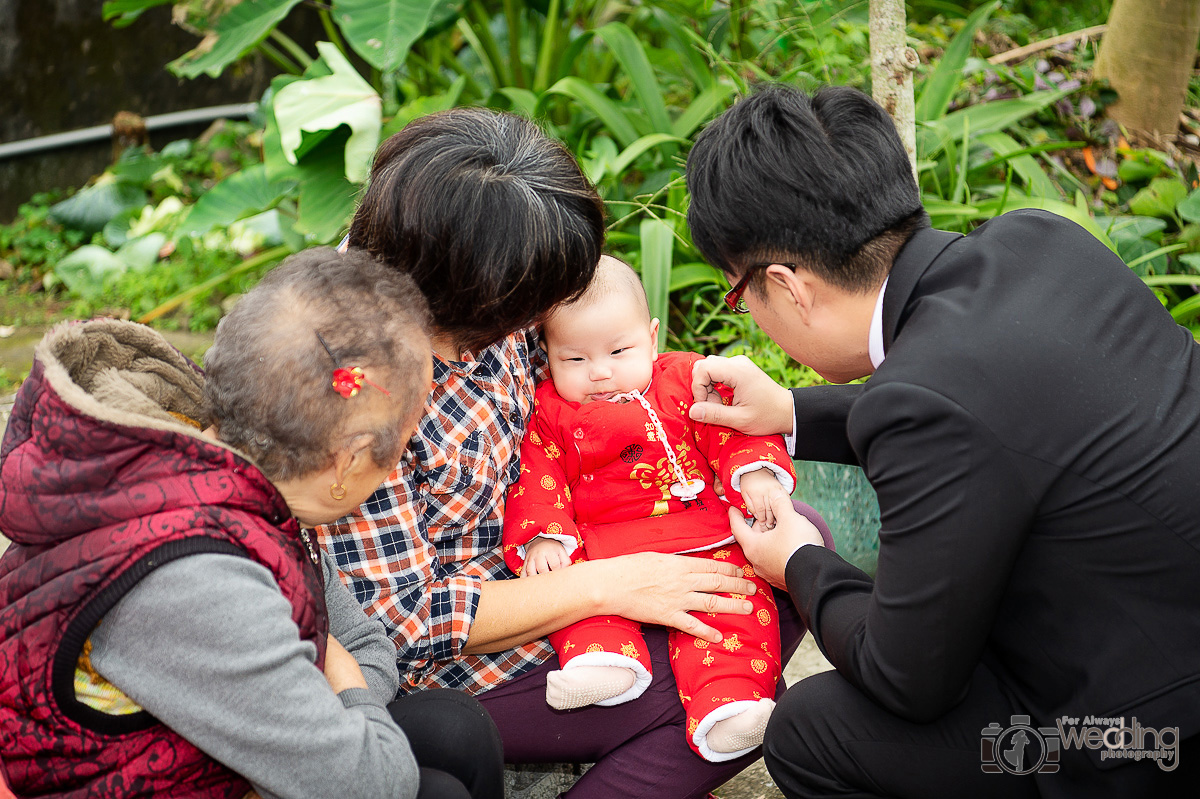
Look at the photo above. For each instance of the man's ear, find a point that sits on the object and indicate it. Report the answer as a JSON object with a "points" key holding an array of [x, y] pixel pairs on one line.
{"points": [[654, 337], [797, 285]]}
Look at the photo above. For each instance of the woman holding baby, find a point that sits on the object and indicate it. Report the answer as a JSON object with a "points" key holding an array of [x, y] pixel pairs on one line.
{"points": [[496, 224]]}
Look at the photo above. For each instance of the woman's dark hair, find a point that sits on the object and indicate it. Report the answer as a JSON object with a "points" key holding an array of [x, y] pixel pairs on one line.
{"points": [[492, 218], [268, 378], [822, 181]]}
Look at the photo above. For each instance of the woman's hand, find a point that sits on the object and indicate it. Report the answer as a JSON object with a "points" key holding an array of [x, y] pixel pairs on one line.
{"points": [[341, 669], [667, 589], [648, 587]]}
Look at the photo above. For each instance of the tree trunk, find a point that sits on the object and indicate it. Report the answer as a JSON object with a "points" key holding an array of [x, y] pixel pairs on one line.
{"points": [[892, 65], [1147, 55]]}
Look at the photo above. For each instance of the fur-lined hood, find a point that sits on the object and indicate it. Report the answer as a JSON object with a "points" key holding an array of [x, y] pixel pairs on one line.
{"points": [[106, 427]]}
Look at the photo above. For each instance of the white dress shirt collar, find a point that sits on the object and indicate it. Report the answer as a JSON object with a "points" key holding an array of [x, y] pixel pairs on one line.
{"points": [[875, 337]]}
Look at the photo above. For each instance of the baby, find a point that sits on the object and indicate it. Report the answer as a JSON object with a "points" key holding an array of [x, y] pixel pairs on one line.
{"points": [[611, 464]]}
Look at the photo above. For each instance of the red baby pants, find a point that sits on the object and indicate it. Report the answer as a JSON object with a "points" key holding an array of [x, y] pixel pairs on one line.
{"points": [[744, 666]]}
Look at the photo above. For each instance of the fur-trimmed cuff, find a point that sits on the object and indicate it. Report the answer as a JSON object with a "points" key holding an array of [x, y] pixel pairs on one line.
{"points": [[781, 474], [568, 541]]}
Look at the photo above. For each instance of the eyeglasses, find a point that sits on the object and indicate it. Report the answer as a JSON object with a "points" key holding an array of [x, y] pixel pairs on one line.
{"points": [[733, 297]]}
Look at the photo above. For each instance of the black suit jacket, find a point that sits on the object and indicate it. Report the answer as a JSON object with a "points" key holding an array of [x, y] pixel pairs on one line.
{"points": [[1033, 435]]}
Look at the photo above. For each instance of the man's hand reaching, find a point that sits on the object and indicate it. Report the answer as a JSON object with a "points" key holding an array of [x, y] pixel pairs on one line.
{"points": [[760, 407]]}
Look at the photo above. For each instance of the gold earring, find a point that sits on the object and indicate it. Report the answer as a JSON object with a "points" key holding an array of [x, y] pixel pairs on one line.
{"points": [[337, 491]]}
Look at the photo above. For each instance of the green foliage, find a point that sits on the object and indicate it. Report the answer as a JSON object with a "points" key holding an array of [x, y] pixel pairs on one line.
{"points": [[626, 87], [85, 271], [33, 243], [383, 32], [243, 27], [123, 257], [336, 95], [939, 87]]}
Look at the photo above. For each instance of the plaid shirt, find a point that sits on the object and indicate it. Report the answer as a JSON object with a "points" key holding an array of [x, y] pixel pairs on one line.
{"points": [[416, 552]]}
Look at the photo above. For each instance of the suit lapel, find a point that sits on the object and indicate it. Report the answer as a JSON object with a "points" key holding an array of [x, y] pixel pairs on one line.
{"points": [[921, 250]]}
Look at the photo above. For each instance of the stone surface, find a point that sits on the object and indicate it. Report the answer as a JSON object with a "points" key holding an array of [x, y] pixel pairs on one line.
{"points": [[844, 497]]}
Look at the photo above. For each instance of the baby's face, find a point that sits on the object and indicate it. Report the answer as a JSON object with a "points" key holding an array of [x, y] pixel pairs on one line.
{"points": [[601, 349]]}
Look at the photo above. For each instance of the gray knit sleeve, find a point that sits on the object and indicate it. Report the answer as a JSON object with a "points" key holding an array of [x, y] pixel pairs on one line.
{"points": [[207, 645], [363, 637]]}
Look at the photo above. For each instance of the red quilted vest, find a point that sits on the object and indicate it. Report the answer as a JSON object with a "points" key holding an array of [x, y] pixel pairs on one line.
{"points": [[92, 506]]}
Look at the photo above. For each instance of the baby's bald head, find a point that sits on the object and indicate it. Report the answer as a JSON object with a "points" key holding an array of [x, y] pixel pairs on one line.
{"points": [[614, 281]]}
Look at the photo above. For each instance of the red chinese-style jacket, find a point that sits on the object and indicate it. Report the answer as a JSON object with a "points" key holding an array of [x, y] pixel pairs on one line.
{"points": [[598, 473]]}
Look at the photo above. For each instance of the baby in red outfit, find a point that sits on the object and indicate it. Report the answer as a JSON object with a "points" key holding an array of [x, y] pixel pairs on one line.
{"points": [[611, 464]]}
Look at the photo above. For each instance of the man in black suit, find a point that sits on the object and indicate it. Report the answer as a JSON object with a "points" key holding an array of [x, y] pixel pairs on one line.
{"points": [[1032, 430]]}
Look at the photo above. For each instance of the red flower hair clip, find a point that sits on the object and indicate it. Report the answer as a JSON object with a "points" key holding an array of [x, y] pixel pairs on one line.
{"points": [[348, 380]]}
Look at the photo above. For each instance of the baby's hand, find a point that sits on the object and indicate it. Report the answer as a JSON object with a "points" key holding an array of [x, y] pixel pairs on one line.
{"points": [[544, 555], [759, 488]]}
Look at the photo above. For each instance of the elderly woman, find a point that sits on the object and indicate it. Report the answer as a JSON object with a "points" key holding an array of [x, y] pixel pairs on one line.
{"points": [[167, 623], [496, 224]]}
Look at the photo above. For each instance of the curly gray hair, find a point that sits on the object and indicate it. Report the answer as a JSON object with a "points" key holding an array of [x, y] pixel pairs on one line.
{"points": [[268, 387]]}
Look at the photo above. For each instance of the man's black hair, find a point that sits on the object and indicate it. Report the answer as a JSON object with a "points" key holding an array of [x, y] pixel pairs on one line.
{"points": [[491, 217], [821, 181]]}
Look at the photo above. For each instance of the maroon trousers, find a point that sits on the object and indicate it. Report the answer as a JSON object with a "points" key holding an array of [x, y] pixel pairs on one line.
{"points": [[639, 748]]}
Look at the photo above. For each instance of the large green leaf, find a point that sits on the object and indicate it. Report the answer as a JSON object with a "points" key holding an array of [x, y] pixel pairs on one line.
{"points": [[382, 31], [932, 137], [240, 195], [91, 209], [429, 104], [1159, 198], [642, 145], [126, 11], [324, 104], [83, 271], [1189, 209], [243, 27], [326, 198], [938, 89], [142, 252], [1025, 165], [694, 274], [524, 102], [705, 104], [609, 113], [1130, 227], [632, 57], [658, 247]]}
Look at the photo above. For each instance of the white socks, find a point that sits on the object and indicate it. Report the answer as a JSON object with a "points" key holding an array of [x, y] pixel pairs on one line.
{"points": [[587, 685], [727, 732], [743, 731]]}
